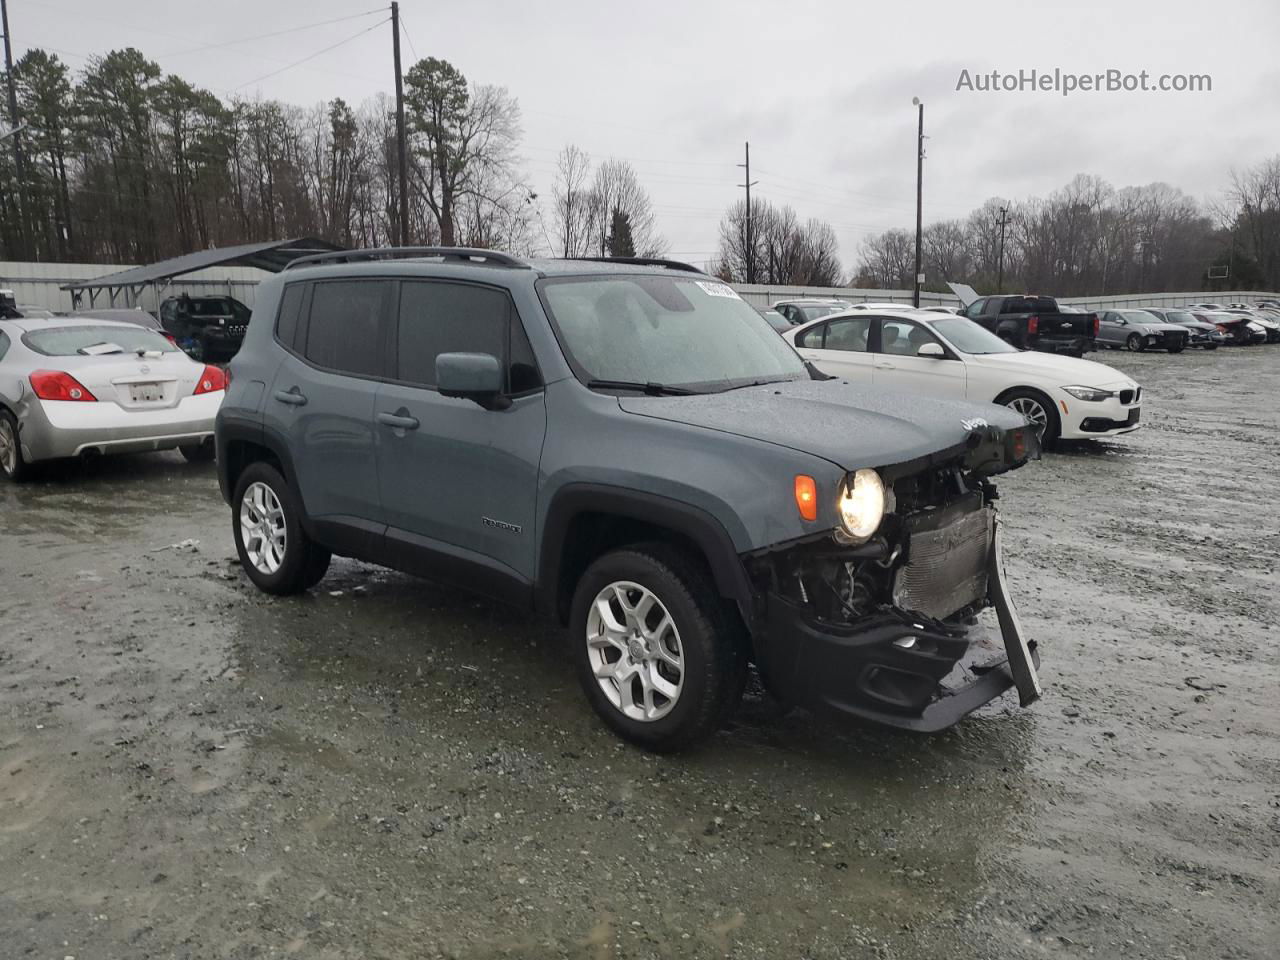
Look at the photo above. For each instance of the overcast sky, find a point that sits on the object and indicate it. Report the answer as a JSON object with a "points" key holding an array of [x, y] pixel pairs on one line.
{"points": [[821, 90]]}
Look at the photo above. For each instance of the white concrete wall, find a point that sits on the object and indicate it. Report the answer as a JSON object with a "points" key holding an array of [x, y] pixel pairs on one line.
{"points": [[38, 284]]}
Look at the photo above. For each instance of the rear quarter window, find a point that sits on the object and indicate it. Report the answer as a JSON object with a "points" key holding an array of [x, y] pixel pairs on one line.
{"points": [[290, 311]]}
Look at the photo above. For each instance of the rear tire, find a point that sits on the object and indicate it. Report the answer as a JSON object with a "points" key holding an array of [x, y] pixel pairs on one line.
{"points": [[12, 466], [197, 452], [699, 657], [279, 558], [1038, 409]]}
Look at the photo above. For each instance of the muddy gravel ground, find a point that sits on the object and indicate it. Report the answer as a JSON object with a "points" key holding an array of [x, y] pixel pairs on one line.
{"points": [[189, 768]]}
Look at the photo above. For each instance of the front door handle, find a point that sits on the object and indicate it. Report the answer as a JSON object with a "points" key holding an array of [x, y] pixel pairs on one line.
{"points": [[886, 366], [292, 396], [399, 421]]}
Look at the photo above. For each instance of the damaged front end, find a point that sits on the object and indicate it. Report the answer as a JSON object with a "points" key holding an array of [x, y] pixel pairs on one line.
{"points": [[884, 630]]}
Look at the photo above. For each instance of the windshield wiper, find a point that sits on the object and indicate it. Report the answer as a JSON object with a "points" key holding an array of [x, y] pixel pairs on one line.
{"points": [[652, 389], [759, 383]]}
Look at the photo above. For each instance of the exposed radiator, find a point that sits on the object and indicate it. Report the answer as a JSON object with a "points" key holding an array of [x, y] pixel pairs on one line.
{"points": [[946, 568]]}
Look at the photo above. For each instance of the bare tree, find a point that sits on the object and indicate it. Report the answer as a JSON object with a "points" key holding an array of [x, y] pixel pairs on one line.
{"points": [[574, 203], [617, 188]]}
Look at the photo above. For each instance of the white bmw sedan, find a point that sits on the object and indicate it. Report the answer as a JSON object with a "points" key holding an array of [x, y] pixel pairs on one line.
{"points": [[80, 387], [922, 352]]}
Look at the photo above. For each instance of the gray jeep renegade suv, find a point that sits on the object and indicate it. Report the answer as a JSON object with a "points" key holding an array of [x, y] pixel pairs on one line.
{"points": [[628, 447]]}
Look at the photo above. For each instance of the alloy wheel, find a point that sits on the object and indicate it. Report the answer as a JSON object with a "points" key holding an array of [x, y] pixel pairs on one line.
{"points": [[262, 528], [8, 447], [634, 650], [1034, 411]]}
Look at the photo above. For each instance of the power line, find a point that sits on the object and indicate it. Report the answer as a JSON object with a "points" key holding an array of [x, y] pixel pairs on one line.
{"points": [[408, 39], [267, 36], [298, 63]]}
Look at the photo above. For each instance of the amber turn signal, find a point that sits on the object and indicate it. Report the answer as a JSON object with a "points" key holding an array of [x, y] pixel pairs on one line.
{"points": [[806, 497]]}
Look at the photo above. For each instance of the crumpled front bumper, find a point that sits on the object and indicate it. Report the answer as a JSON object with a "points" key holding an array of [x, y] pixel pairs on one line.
{"points": [[896, 668]]}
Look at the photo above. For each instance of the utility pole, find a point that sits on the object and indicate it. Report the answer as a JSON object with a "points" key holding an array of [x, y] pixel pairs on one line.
{"points": [[401, 147], [915, 299], [1004, 219], [17, 124], [750, 241]]}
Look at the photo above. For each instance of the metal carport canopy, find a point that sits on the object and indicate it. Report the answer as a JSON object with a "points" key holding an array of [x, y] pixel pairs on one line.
{"points": [[272, 256]]}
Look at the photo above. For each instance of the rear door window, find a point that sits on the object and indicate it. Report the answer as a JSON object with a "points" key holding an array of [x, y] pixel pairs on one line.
{"points": [[848, 333], [345, 325]]}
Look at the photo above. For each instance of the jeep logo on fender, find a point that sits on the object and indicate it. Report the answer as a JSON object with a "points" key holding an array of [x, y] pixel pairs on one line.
{"points": [[974, 423], [501, 525]]}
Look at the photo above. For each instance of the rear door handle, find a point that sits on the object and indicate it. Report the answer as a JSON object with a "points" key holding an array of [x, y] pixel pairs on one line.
{"points": [[399, 421], [292, 397], [885, 366]]}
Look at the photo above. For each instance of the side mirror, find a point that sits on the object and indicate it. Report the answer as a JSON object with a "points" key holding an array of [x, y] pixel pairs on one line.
{"points": [[471, 376], [932, 350]]}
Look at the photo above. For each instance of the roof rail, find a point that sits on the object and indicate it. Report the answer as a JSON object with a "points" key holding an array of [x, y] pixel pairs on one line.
{"points": [[644, 262], [404, 253]]}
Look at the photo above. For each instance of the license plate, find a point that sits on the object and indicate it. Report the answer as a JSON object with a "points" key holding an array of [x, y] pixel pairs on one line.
{"points": [[1135, 415], [145, 392]]}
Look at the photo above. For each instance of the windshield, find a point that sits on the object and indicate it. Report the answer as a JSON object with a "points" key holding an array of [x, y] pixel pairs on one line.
{"points": [[1139, 316], [967, 337], [695, 334], [72, 341], [1180, 316]]}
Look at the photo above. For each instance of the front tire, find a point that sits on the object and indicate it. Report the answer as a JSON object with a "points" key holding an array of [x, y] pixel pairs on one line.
{"points": [[1039, 411], [12, 466], [1134, 343], [660, 656], [266, 523]]}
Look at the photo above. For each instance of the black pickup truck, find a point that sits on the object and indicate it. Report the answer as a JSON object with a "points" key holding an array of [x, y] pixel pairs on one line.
{"points": [[1036, 323]]}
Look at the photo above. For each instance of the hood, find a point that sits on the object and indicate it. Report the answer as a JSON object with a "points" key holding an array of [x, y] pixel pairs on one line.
{"points": [[852, 427], [1069, 371]]}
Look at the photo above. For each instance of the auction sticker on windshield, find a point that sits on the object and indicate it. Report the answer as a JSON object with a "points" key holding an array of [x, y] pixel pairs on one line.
{"points": [[718, 289]]}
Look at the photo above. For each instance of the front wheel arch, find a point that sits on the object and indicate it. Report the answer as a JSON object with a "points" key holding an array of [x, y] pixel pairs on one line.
{"points": [[635, 516], [1053, 427]]}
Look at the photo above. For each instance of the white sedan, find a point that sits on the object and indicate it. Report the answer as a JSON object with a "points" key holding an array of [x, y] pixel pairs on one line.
{"points": [[919, 351], [82, 387]]}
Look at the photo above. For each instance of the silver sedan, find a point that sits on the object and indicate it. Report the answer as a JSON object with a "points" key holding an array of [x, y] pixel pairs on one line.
{"points": [[82, 387]]}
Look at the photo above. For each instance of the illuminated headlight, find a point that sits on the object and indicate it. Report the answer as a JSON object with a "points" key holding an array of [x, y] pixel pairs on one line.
{"points": [[861, 506], [1089, 393]]}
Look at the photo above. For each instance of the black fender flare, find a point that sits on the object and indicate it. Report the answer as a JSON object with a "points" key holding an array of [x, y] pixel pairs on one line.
{"points": [[229, 430], [693, 522]]}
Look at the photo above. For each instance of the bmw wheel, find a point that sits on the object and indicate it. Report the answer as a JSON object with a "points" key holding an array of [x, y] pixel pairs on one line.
{"points": [[660, 657], [1039, 411], [274, 550]]}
